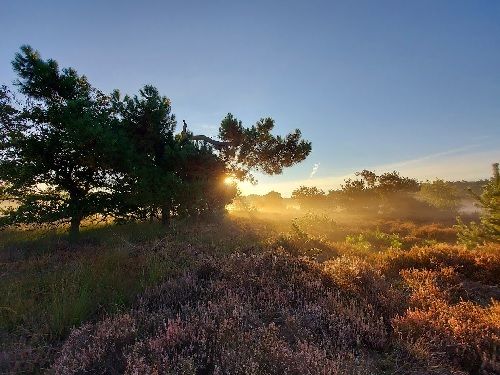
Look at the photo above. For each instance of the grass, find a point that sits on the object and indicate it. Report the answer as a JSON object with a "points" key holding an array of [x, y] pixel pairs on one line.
{"points": [[314, 294]]}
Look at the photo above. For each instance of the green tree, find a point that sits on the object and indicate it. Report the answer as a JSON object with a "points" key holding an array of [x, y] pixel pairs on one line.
{"points": [[57, 148], [488, 229], [391, 182], [255, 148], [184, 173], [70, 152], [309, 197], [372, 192], [204, 191], [149, 155], [440, 194]]}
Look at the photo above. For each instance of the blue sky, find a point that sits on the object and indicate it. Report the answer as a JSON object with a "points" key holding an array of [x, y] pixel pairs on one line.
{"points": [[406, 85]]}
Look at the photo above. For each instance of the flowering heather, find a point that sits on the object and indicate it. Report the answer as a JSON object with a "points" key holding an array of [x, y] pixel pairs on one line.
{"points": [[266, 313], [481, 264]]}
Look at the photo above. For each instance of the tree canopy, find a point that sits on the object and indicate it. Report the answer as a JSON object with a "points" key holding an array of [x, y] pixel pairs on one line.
{"points": [[309, 197], [440, 194], [68, 151], [57, 148]]}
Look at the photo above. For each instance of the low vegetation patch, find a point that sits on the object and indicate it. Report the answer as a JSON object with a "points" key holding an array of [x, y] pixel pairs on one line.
{"points": [[281, 315], [242, 296]]}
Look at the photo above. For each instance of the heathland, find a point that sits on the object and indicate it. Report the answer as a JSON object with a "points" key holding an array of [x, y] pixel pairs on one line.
{"points": [[125, 248], [262, 290]]}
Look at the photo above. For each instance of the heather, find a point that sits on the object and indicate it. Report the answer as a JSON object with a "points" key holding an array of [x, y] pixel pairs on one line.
{"points": [[282, 315], [302, 294]]}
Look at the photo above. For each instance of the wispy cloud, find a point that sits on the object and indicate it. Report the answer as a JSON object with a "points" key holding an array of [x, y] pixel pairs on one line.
{"points": [[314, 170], [437, 155]]}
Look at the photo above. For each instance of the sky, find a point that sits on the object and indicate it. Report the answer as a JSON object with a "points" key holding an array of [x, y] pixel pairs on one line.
{"points": [[412, 86]]}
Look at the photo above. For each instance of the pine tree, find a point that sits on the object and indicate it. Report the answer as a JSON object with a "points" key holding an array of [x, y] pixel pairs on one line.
{"points": [[69, 152], [57, 148], [488, 228]]}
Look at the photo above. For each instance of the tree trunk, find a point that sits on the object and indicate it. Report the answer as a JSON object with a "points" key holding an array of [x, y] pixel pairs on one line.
{"points": [[217, 144], [76, 212], [74, 229], [165, 216]]}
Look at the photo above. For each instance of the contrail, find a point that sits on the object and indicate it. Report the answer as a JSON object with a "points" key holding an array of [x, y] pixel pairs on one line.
{"points": [[314, 170]]}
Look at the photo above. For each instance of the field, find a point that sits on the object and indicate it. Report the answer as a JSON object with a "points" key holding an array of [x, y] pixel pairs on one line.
{"points": [[252, 293]]}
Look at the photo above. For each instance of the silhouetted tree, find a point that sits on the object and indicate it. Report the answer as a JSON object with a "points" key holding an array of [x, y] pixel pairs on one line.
{"points": [[184, 174], [69, 152], [273, 199], [57, 148], [255, 148], [150, 155], [309, 197]]}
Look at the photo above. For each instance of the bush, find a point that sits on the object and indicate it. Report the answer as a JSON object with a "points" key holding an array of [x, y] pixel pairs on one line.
{"points": [[300, 243], [374, 240], [482, 264]]}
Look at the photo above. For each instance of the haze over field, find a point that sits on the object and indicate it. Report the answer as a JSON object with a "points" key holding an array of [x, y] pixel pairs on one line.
{"points": [[454, 165]]}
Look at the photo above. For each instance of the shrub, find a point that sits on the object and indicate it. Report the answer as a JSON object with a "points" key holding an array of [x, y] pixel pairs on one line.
{"points": [[362, 280], [300, 243], [321, 226], [463, 334], [482, 264]]}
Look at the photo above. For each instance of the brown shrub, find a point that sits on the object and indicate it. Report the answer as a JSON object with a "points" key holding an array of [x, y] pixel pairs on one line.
{"points": [[359, 278], [436, 232], [465, 334], [410, 230], [442, 332], [428, 285], [481, 264]]}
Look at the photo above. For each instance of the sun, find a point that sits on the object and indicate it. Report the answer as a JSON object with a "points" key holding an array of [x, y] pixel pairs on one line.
{"points": [[230, 180]]}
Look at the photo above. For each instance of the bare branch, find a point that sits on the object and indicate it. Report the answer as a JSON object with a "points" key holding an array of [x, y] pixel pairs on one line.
{"points": [[213, 142]]}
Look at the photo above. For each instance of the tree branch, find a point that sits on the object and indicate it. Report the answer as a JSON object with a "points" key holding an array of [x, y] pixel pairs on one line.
{"points": [[213, 142]]}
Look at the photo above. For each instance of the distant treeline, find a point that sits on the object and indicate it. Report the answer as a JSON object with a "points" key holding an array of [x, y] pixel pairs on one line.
{"points": [[372, 193]]}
